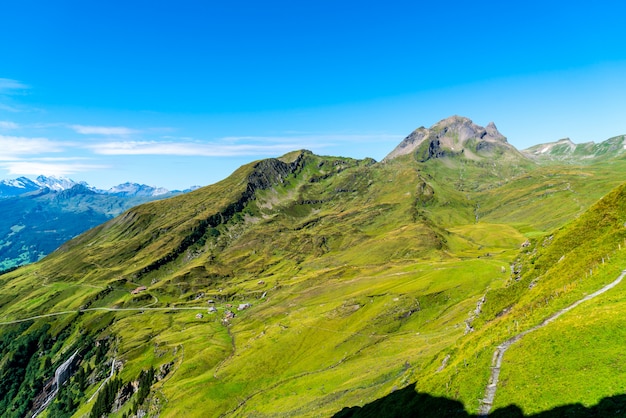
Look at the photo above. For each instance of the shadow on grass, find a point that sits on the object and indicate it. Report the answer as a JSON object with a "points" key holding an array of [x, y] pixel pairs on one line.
{"points": [[409, 403]]}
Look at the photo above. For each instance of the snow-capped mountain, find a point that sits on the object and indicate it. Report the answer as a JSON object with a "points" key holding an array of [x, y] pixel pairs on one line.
{"points": [[57, 183], [18, 186], [133, 189], [22, 185], [40, 214]]}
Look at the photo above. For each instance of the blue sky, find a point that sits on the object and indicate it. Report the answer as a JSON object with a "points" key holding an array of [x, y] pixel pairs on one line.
{"points": [[181, 93]]}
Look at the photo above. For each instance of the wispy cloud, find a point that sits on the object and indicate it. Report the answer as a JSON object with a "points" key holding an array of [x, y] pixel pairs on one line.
{"points": [[325, 139], [37, 167], [11, 146], [103, 130], [232, 146], [8, 86], [6, 125], [190, 148]]}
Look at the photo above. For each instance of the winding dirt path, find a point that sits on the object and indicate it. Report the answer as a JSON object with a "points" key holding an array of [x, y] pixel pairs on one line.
{"points": [[498, 354]]}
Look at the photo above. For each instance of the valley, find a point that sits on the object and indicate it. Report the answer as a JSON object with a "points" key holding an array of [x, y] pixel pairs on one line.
{"points": [[366, 289]]}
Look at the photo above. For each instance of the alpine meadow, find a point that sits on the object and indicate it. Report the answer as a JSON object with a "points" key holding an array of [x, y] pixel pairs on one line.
{"points": [[458, 276]]}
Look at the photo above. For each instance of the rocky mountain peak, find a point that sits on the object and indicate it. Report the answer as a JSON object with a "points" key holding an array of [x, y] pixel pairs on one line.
{"points": [[493, 131], [456, 135], [465, 129]]}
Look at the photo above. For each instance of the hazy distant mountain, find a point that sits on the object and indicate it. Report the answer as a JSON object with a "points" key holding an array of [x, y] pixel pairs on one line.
{"points": [[39, 215], [21, 185], [134, 189], [18, 186], [57, 183]]}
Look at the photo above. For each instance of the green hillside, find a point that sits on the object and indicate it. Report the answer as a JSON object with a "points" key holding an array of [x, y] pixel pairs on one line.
{"points": [[307, 284], [565, 151], [571, 360]]}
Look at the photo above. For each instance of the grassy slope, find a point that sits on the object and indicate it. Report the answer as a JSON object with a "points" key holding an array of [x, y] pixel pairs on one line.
{"points": [[571, 360], [579, 357], [369, 274], [546, 198]]}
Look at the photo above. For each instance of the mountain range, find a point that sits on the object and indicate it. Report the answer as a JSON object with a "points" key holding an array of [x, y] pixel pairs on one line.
{"points": [[41, 214], [456, 277], [22, 185]]}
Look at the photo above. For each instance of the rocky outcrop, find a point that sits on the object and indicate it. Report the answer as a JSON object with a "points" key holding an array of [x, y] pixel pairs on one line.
{"points": [[270, 172]]}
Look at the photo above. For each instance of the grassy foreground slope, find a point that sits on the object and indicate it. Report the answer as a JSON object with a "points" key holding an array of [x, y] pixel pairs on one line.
{"points": [[576, 358], [357, 279]]}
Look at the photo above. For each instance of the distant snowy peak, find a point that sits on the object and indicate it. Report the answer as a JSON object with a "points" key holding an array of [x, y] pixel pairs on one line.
{"points": [[16, 187], [133, 189], [57, 184], [21, 185]]}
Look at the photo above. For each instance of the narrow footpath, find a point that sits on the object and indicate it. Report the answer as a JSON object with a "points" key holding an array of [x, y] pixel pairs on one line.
{"points": [[498, 354]]}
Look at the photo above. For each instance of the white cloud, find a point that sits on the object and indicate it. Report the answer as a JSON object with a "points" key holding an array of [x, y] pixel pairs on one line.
{"points": [[103, 130], [11, 146], [22, 168], [8, 85], [5, 124], [317, 139], [190, 148], [233, 146]]}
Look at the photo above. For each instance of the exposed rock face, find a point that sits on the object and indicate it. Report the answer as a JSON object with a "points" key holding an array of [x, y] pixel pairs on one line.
{"points": [[409, 144], [455, 136], [273, 171]]}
